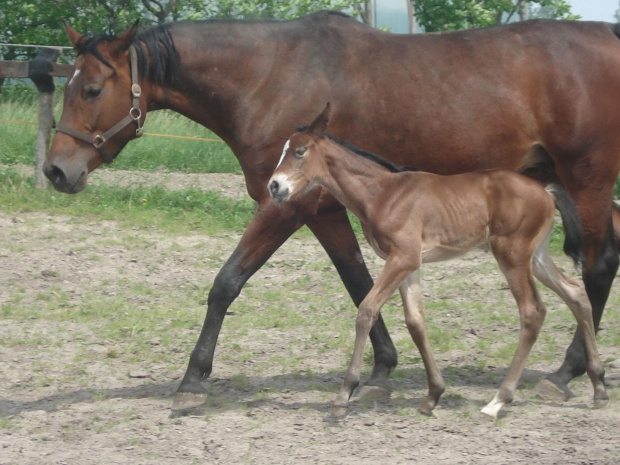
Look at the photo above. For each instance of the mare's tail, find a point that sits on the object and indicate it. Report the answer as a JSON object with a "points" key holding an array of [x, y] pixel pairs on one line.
{"points": [[573, 231]]}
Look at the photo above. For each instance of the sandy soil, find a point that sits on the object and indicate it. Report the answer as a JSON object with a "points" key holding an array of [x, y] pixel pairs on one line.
{"points": [[69, 394]]}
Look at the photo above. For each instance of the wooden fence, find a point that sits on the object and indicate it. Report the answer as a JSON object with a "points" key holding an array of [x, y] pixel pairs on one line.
{"points": [[41, 70]]}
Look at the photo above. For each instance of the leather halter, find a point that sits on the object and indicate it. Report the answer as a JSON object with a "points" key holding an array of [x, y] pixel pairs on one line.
{"points": [[134, 115]]}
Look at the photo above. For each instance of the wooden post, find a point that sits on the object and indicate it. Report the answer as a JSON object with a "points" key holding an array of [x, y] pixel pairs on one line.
{"points": [[39, 70], [46, 121]]}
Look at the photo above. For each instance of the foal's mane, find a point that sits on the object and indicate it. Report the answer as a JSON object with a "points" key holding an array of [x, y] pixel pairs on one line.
{"points": [[165, 61], [390, 166]]}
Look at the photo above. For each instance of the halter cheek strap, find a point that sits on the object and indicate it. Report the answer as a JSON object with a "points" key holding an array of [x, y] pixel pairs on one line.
{"points": [[134, 115]]}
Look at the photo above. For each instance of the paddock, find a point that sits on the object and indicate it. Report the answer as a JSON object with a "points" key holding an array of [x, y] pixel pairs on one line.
{"points": [[98, 318]]}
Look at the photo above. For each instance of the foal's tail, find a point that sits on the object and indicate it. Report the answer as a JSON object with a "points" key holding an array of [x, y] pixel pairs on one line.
{"points": [[573, 231]]}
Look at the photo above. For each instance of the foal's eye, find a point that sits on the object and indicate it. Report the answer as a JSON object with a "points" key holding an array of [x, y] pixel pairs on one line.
{"points": [[300, 151], [92, 92]]}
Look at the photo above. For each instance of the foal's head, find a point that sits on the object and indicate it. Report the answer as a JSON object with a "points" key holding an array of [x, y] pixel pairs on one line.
{"points": [[301, 161]]}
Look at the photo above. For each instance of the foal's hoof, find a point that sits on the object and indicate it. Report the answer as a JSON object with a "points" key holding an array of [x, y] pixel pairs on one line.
{"points": [[548, 390], [338, 412], [188, 400], [426, 411], [600, 403], [374, 393]]}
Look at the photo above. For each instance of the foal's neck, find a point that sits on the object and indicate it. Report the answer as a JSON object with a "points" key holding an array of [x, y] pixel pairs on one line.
{"points": [[352, 179]]}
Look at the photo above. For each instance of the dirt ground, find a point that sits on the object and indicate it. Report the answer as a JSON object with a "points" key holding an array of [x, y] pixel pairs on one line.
{"points": [[71, 394]]}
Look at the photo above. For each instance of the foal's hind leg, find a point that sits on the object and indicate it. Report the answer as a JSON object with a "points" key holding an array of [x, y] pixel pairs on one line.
{"points": [[574, 294], [532, 314], [414, 317]]}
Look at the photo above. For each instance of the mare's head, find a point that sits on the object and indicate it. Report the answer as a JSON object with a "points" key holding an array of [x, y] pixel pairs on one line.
{"points": [[301, 160], [98, 97]]}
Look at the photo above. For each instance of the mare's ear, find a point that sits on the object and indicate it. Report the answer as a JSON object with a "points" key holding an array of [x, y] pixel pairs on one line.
{"points": [[75, 37], [319, 125], [124, 40]]}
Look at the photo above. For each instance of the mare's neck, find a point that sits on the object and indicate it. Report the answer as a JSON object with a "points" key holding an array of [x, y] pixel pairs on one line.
{"points": [[354, 180], [222, 63]]}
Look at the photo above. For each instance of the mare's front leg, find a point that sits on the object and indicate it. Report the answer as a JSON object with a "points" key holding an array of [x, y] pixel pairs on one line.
{"points": [[599, 271], [395, 270], [334, 232], [267, 231]]}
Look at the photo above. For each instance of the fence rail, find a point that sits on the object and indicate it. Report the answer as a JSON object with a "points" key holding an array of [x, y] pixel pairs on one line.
{"points": [[19, 69]]}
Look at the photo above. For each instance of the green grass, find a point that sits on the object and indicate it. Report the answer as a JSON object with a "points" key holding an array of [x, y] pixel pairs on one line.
{"points": [[148, 153], [173, 211]]}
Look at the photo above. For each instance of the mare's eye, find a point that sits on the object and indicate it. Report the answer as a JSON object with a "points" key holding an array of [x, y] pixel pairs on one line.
{"points": [[300, 151], [92, 91]]}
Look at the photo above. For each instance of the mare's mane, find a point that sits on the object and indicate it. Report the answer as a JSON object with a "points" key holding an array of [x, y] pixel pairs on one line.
{"points": [[165, 61], [390, 166]]}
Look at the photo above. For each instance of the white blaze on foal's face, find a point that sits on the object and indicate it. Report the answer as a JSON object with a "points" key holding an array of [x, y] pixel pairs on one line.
{"points": [[288, 177], [75, 74]]}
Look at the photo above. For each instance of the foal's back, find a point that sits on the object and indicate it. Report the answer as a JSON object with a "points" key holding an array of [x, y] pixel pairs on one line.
{"points": [[454, 214]]}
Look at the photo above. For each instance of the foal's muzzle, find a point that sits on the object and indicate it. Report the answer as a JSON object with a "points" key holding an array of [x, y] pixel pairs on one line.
{"points": [[278, 190]]}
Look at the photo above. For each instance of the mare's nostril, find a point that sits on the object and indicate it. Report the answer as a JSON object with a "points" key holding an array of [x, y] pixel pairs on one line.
{"points": [[56, 175], [274, 187]]}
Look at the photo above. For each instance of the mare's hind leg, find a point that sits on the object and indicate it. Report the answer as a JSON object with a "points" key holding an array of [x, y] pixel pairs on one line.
{"points": [[599, 247], [414, 317], [335, 234], [574, 295], [531, 312], [395, 270]]}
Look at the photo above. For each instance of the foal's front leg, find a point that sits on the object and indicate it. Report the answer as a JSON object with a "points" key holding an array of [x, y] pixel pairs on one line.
{"points": [[395, 270]]}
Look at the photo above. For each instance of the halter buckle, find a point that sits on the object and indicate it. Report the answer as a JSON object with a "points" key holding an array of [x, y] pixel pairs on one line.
{"points": [[98, 141], [136, 90]]}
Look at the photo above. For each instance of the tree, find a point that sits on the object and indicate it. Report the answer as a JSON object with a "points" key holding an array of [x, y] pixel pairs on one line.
{"points": [[441, 15]]}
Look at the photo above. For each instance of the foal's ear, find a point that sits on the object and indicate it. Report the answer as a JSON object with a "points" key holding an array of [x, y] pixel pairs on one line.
{"points": [[124, 40], [319, 125], [75, 37]]}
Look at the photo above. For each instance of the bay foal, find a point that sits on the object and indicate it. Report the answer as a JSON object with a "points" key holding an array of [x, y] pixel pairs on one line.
{"points": [[410, 218]]}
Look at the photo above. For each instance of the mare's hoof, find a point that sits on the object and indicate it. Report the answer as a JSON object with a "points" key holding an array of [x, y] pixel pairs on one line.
{"points": [[548, 390], [374, 393], [187, 400]]}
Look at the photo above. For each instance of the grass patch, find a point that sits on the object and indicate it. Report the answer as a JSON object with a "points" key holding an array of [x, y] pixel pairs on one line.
{"points": [[151, 152], [172, 211]]}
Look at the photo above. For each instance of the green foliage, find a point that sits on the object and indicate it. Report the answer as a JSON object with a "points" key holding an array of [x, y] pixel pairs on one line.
{"points": [[285, 9], [443, 15]]}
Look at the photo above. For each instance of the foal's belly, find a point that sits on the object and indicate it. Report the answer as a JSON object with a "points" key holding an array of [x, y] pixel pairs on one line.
{"points": [[447, 251]]}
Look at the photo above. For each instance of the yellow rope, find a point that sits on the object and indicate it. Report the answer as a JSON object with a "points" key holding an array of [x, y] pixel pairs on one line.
{"points": [[170, 136]]}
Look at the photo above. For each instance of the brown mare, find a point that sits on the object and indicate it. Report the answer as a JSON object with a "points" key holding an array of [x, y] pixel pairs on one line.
{"points": [[517, 97], [410, 218]]}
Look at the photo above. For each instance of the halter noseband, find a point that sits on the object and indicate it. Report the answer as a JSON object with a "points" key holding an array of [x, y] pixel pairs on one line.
{"points": [[134, 115]]}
